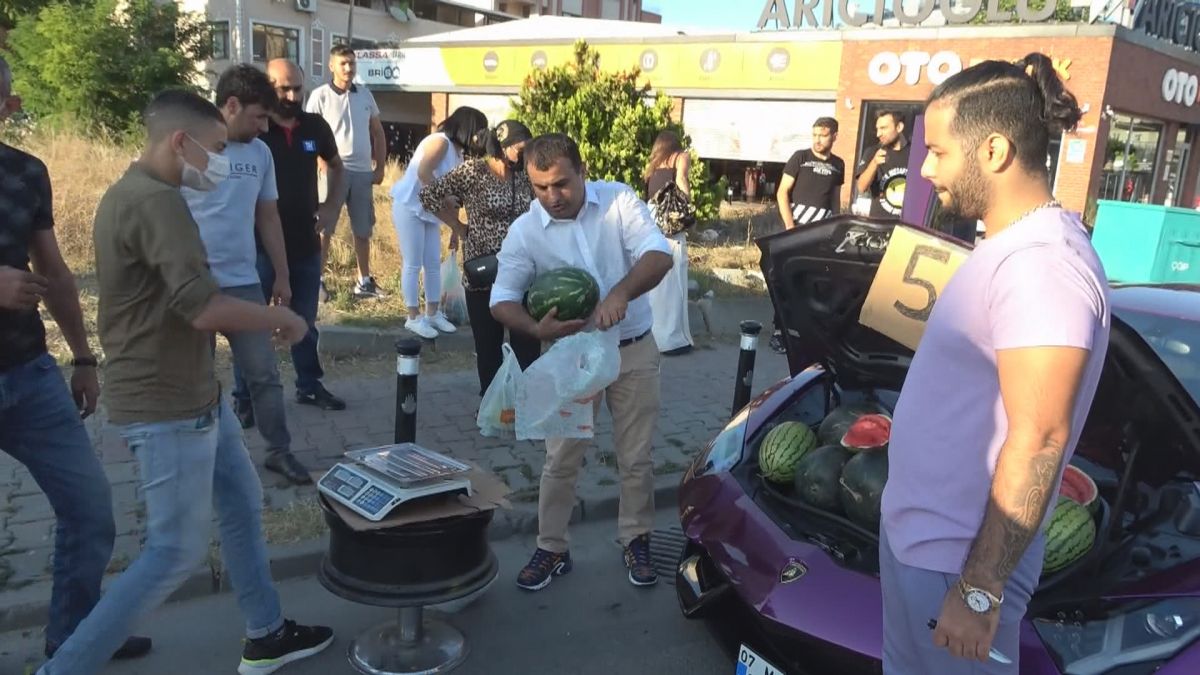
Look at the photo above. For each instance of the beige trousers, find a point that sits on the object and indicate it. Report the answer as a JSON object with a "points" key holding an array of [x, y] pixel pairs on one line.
{"points": [[633, 401]]}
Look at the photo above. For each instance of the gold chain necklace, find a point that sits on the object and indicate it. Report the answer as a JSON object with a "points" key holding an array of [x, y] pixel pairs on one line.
{"points": [[1045, 205]]}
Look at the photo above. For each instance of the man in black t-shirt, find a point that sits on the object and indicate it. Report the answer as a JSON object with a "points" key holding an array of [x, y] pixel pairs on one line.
{"points": [[883, 171], [810, 189], [296, 138], [811, 184], [41, 418]]}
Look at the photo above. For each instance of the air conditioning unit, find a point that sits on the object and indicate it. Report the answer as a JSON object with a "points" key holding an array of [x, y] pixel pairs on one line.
{"points": [[306, 5]]}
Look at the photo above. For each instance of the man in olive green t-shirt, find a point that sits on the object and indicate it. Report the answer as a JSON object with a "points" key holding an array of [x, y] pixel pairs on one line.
{"points": [[159, 308]]}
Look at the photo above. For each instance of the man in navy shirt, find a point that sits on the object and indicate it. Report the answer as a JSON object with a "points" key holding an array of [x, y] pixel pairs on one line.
{"points": [[296, 138]]}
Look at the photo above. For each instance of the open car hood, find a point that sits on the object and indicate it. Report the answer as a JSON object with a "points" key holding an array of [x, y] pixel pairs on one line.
{"points": [[818, 277]]}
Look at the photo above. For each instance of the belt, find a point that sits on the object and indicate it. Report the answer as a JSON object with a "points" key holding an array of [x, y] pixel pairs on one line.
{"points": [[628, 341]]}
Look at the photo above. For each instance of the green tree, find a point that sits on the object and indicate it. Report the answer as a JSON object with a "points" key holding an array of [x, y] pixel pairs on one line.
{"points": [[612, 118], [97, 65], [1063, 11]]}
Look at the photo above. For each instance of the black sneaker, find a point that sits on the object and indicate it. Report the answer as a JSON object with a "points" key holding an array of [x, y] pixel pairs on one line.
{"points": [[244, 409], [543, 567], [321, 398], [291, 642], [637, 559], [286, 465], [777, 343], [134, 647], [367, 288]]}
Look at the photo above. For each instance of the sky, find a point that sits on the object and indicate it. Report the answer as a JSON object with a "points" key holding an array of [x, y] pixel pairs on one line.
{"points": [[735, 15]]}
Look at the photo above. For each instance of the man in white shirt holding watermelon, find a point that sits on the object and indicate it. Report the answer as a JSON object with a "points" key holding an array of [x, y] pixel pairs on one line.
{"points": [[606, 229]]}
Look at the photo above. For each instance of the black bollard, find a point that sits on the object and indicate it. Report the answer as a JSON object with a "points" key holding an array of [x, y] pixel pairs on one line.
{"points": [[745, 371], [408, 364]]}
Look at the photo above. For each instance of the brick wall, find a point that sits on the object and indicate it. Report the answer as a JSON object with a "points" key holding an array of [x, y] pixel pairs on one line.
{"points": [[1135, 87], [1088, 70], [441, 109]]}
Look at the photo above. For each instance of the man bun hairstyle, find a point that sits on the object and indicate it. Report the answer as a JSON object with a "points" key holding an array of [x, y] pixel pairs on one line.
{"points": [[1024, 101]]}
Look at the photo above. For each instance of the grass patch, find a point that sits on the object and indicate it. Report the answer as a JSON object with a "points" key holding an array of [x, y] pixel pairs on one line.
{"points": [[301, 520], [82, 168]]}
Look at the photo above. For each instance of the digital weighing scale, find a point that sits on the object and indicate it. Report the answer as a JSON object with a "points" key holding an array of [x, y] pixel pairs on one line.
{"points": [[379, 479]]}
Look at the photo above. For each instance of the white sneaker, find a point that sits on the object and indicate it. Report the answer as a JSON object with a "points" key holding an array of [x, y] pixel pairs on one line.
{"points": [[421, 327], [440, 322]]}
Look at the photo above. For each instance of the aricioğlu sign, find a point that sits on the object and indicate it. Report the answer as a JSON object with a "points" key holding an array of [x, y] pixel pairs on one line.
{"points": [[1171, 20], [804, 12]]}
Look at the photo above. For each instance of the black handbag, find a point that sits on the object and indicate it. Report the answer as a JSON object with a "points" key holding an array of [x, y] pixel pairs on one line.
{"points": [[480, 272], [673, 211]]}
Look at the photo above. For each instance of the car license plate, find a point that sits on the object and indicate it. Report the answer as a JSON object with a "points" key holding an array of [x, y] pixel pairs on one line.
{"points": [[750, 663]]}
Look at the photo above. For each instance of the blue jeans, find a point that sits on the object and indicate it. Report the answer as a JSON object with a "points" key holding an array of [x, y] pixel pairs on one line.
{"points": [[187, 466], [41, 428], [254, 355], [305, 279]]}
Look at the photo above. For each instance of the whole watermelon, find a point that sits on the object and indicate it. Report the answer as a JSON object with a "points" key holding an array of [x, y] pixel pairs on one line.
{"points": [[862, 483], [1069, 536], [782, 449], [571, 289], [818, 476], [838, 421]]}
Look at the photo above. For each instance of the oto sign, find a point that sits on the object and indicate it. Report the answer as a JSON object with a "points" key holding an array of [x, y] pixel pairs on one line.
{"points": [[887, 67], [1180, 87]]}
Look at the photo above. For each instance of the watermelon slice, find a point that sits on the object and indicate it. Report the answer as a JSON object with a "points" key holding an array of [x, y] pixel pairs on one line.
{"points": [[868, 433], [1080, 488]]}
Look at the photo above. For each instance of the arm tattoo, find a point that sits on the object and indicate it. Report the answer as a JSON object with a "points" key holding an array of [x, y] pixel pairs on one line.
{"points": [[1004, 538]]}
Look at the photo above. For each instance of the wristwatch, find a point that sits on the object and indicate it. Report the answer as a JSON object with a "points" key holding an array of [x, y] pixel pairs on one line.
{"points": [[977, 599], [86, 361]]}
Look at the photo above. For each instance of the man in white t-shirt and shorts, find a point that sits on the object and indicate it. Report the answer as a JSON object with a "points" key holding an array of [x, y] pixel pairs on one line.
{"points": [[353, 115]]}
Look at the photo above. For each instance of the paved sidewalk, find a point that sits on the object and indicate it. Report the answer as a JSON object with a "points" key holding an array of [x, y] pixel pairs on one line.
{"points": [[697, 391]]}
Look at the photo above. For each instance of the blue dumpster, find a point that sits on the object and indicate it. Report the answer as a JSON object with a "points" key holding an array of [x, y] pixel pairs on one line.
{"points": [[1145, 243]]}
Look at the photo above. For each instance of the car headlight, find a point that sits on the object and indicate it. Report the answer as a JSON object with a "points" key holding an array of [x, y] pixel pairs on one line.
{"points": [[1125, 636], [725, 451]]}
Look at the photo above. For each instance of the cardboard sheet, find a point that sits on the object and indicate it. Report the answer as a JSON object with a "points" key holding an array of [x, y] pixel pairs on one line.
{"points": [[911, 276]]}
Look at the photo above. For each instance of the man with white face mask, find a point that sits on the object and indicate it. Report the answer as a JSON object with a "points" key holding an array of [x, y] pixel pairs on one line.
{"points": [[236, 218], [159, 308]]}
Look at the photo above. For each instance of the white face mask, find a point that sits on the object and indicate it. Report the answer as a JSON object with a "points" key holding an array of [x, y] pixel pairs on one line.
{"points": [[217, 171]]}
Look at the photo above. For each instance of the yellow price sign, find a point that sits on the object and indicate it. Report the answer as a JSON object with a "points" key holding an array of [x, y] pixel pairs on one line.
{"points": [[911, 276]]}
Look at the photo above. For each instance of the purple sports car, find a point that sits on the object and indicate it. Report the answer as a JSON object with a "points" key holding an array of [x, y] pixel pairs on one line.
{"points": [[793, 589]]}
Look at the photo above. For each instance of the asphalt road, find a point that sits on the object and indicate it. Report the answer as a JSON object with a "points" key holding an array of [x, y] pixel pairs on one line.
{"points": [[591, 621]]}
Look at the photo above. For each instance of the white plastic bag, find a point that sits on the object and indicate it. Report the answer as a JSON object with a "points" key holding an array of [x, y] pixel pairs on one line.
{"points": [[555, 392], [497, 412], [454, 296]]}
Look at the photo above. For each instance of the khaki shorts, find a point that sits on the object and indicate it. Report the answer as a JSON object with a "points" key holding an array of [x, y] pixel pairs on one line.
{"points": [[357, 194]]}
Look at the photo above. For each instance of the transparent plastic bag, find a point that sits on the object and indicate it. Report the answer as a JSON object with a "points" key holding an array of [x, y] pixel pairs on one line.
{"points": [[497, 411], [555, 398], [454, 296]]}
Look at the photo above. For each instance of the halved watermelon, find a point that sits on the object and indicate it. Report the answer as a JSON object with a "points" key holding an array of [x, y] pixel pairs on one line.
{"points": [[868, 433], [1079, 488], [835, 424]]}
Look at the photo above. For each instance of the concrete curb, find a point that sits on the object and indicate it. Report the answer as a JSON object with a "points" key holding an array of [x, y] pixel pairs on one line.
{"points": [[28, 607]]}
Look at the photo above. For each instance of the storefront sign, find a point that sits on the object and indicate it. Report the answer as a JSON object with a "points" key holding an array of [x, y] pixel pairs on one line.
{"points": [[886, 68], [1180, 87], [1176, 21], [804, 12]]}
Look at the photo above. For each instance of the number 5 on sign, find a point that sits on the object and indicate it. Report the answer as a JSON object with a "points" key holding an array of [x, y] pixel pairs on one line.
{"points": [[911, 276]]}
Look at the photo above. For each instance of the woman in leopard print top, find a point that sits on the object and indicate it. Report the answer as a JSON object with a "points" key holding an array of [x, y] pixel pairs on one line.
{"points": [[494, 191]]}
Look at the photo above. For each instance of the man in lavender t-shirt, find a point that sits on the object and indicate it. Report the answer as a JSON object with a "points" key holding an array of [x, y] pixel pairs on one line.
{"points": [[999, 389]]}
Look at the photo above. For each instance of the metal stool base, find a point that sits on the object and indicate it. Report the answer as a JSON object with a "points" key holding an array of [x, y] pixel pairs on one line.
{"points": [[412, 645]]}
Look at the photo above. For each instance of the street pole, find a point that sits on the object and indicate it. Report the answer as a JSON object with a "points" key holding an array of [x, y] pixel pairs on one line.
{"points": [[745, 372], [350, 26], [408, 365]]}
